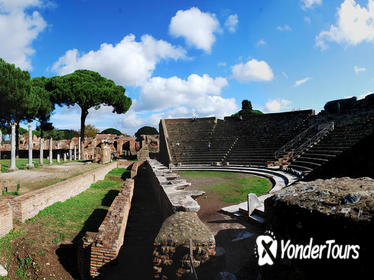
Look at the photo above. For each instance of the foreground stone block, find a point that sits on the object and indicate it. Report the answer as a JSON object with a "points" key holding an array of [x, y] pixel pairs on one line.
{"points": [[6, 217], [339, 209], [171, 253]]}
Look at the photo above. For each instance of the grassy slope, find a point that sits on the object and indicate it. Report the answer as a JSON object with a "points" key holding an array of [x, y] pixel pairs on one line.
{"points": [[63, 221], [234, 188]]}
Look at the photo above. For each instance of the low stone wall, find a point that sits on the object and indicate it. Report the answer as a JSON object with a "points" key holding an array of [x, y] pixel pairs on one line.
{"points": [[172, 191], [6, 217], [103, 247], [28, 205], [134, 169]]}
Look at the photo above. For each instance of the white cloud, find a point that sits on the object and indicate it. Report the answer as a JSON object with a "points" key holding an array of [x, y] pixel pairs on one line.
{"points": [[358, 69], [307, 20], [284, 28], [302, 81], [20, 25], [232, 22], [276, 105], [253, 70], [307, 4], [196, 27], [355, 25], [161, 93], [284, 74], [206, 105], [129, 62], [221, 64], [261, 43]]}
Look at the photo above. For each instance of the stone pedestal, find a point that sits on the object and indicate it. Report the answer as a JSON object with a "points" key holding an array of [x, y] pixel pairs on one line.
{"points": [[58, 158], [64, 156], [75, 152], [30, 163], [13, 166], [70, 154]]}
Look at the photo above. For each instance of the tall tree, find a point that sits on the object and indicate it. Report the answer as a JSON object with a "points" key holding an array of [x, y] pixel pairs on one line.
{"points": [[18, 102], [39, 89], [90, 131], [111, 131], [146, 130], [88, 89]]}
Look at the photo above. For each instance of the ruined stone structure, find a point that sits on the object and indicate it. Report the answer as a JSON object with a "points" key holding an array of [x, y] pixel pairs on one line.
{"points": [[337, 142], [100, 248], [338, 209], [180, 227], [301, 142], [152, 142], [118, 145], [172, 247]]}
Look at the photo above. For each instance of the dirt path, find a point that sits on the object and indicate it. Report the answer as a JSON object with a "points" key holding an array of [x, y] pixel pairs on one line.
{"points": [[135, 257], [240, 258], [40, 177]]}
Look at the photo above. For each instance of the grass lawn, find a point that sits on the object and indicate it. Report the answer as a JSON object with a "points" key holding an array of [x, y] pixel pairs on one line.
{"points": [[231, 187], [22, 162], [27, 248]]}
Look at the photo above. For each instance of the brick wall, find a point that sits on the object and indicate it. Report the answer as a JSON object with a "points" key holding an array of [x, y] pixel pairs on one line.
{"points": [[6, 217], [28, 205], [98, 249]]}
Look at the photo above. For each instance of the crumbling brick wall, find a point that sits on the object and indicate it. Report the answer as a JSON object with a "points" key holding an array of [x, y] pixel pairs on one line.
{"points": [[98, 249]]}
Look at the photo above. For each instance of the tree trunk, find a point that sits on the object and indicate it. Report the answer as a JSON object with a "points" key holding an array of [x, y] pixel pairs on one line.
{"points": [[17, 139], [83, 120], [41, 132]]}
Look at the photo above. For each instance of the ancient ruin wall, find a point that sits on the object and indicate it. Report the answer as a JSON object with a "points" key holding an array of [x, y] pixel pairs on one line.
{"points": [[28, 205], [103, 247], [6, 217], [339, 209]]}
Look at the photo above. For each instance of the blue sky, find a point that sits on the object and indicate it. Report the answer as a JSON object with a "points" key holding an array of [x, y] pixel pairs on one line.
{"points": [[196, 58]]}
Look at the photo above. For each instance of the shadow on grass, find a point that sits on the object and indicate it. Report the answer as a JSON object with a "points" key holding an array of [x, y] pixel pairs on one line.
{"points": [[67, 253], [126, 175], [109, 197]]}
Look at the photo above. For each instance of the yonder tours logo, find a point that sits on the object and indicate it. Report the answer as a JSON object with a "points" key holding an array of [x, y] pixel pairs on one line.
{"points": [[267, 247]]}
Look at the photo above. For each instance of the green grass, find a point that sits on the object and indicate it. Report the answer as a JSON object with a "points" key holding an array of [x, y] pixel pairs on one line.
{"points": [[234, 188], [61, 222], [66, 219], [22, 162]]}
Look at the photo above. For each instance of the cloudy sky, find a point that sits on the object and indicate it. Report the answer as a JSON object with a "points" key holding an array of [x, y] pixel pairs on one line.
{"points": [[196, 58]]}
